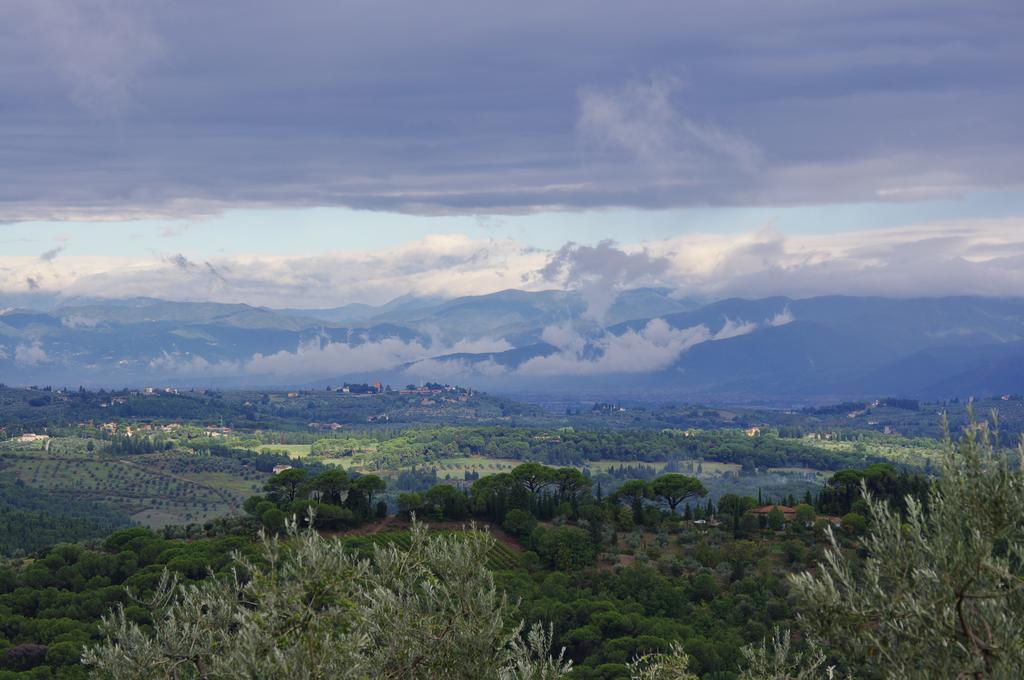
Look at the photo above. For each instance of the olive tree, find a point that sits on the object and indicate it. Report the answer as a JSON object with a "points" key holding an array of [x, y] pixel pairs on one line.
{"points": [[940, 593], [310, 608]]}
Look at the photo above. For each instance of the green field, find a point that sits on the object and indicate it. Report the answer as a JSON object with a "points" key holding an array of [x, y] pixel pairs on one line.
{"points": [[457, 467], [896, 449], [821, 475], [292, 450], [708, 468]]}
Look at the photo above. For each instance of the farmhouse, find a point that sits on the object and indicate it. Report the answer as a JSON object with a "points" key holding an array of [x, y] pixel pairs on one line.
{"points": [[32, 437], [788, 513], [278, 469]]}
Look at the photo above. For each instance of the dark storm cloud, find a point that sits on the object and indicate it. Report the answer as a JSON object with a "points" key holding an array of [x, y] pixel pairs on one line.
{"points": [[120, 108]]}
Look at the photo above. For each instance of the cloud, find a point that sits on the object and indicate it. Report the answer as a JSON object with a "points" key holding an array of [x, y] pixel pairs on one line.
{"points": [[334, 358], [319, 357], [3, 353], [131, 109], [214, 272], [654, 347], [977, 257], [181, 262], [30, 355], [51, 254], [478, 346], [80, 321], [642, 120], [455, 369], [782, 318], [97, 48], [599, 271], [734, 329], [437, 265]]}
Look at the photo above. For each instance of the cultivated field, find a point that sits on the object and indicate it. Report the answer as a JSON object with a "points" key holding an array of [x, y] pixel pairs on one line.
{"points": [[153, 489]]}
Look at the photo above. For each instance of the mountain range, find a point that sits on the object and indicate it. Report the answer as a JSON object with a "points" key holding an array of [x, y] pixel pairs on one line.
{"points": [[644, 343]]}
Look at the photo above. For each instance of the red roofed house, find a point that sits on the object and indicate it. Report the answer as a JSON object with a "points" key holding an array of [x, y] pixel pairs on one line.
{"points": [[788, 513]]}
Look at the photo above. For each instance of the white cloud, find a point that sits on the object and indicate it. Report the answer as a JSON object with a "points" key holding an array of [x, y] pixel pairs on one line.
{"points": [[966, 257], [782, 318], [654, 347], [734, 329], [455, 370], [3, 353], [600, 272], [479, 346], [334, 358], [30, 355], [79, 321], [320, 358]]}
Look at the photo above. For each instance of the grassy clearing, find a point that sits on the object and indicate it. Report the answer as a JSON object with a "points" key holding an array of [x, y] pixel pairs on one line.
{"points": [[819, 474], [291, 450], [706, 467], [355, 464], [909, 451], [456, 468]]}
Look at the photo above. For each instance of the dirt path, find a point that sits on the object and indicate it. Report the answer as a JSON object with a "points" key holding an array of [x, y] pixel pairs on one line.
{"points": [[223, 495]]}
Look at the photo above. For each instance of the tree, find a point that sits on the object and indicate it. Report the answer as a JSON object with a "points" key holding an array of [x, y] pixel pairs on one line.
{"points": [[632, 492], [409, 502], [570, 483], [804, 517], [534, 477], [315, 610], [854, 523], [940, 594], [671, 665], [360, 496], [776, 520], [775, 659], [283, 487], [332, 485], [733, 507], [447, 502], [564, 548], [369, 485], [273, 519], [519, 522], [675, 488]]}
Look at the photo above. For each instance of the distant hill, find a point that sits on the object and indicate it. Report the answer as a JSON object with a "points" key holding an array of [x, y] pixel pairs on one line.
{"points": [[647, 342]]}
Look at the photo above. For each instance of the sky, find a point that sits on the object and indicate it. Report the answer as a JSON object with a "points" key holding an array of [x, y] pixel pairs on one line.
{"points": [[318, 153]]}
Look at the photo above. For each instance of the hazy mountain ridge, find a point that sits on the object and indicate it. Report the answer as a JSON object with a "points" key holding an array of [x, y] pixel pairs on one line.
{"points": [[518, 340]]}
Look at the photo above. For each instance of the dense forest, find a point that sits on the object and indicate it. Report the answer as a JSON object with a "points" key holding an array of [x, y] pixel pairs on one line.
{"points": [[616, 576]]}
